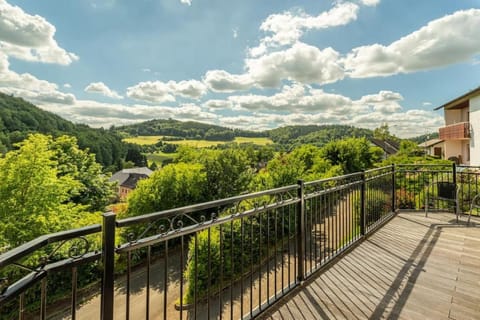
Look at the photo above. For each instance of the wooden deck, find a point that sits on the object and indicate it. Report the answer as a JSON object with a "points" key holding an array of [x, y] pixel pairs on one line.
{"points": [[412, 268]]}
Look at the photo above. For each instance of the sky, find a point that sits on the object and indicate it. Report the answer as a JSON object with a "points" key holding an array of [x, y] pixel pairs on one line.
{"points": [[246, 64]]}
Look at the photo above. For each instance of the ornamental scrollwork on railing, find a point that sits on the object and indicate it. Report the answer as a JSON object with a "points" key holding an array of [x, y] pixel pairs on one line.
{"points": [[79, 247], [176, 223], [166, 225]]}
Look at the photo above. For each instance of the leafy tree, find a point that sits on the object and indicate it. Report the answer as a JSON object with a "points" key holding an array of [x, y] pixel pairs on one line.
{"points": [[95, 191], [353, 154], [383, 133], [134, 155], [174, 186], [35, 193]]}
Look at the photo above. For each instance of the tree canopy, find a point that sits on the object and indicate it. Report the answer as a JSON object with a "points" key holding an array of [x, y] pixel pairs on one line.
{"points": [[48, 185]]}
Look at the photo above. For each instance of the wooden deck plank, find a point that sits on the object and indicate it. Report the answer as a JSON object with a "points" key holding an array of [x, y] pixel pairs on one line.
{"points": [[412, 268]]}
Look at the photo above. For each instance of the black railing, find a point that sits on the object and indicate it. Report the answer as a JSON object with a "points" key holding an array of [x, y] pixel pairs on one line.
{"points": [[230, 258]]}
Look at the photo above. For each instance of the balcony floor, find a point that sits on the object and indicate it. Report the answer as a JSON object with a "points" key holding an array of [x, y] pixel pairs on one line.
{"points": [[412, 268]]}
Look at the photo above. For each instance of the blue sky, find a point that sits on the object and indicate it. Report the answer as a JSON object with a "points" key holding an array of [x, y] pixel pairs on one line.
{"points": [[246, 64]]}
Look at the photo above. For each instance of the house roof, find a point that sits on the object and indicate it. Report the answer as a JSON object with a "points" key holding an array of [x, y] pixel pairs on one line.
{"points": [[389, 146], [132, 180], [460, 102], [430, 143], [122, 175]]}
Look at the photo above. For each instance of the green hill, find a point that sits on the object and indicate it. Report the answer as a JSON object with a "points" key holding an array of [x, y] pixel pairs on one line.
{"points": [[315, 134], [18, 118], [187, 130]]}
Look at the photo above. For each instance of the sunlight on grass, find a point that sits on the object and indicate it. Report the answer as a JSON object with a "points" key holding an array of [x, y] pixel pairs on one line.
{"points": [[147, 140]]}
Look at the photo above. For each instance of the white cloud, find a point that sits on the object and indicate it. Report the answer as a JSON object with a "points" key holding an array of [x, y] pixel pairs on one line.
{"points": [[301, 62], [288, 27], [158, 91], [222, 81], [151, 91], [235, 33], [187, 2], [67, 85], [30, 37], [103, 89], [29, 87], [217, 104], [105, 114], [426, 104], [370, 3], [445, 41], [192, 89]]}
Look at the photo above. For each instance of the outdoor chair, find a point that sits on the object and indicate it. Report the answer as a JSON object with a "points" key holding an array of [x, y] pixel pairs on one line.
{"points": [[444, 191], [475, 204]]}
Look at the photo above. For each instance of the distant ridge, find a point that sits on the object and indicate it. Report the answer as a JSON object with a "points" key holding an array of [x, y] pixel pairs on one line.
{"points": [[18, 118]]}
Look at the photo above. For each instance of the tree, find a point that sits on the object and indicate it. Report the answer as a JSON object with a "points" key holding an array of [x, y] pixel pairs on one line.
{"points": [[95, 190], [134, 155], [383, 133], [34, 194], [174, 186], [353, 154]]}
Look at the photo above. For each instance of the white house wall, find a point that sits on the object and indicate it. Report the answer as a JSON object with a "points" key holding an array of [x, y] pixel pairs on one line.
{"points": [[475, 131]]}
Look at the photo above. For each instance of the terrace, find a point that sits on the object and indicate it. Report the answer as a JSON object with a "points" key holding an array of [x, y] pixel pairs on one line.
{"points": [[356, 246]]}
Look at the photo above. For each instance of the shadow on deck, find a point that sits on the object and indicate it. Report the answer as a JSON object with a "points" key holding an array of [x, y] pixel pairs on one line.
{"points": [[412, 268]]}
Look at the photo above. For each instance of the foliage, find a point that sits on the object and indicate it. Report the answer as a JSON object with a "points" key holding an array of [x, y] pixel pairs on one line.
{"points": [[227, 171], [47, 186], [20, 118], [383, 133], [134, 155], [295, 136], [175, 185], [353, 154]]}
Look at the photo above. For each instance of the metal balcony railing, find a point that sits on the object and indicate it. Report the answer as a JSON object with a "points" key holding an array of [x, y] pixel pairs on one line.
{"points": [[455, 131], [229, 258]]}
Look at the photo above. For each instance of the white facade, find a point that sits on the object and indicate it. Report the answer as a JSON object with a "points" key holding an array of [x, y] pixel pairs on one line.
{"points": [[475, 131]]}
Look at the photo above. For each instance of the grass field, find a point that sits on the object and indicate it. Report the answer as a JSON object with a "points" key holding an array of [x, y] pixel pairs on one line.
{"points": [[144, 140], [158, 157]]}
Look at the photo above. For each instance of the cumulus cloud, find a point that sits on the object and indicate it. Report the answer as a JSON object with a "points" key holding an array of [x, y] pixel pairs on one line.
{"points": [[222, 81], [217, 104], [105, 114], [287, 28], [445, 41], [101, 88], [29, 87], [370, 3], [187, 2], [30, 37], [158, 91], [384, 101], [301, 62]]}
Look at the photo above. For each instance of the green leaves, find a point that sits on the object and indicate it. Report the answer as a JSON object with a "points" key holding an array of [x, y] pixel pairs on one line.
{"points": [[48, 185]]}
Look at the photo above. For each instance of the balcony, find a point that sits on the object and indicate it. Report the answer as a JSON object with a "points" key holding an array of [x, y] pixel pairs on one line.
{"points": [[455, 131], [356, 246]]}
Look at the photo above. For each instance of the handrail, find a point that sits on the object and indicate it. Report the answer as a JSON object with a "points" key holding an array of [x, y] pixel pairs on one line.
{"points": [[35, 244]]}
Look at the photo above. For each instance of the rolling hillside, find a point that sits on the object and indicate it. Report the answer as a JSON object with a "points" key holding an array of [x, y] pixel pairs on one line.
{"points": [[18, 118]]}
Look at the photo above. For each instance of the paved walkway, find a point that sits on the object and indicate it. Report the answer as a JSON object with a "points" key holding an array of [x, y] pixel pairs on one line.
{"points": [[412, 268]]}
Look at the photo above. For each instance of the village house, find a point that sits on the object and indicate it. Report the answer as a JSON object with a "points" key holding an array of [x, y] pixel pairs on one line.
{"points": [[462, 128], [127, 180]]}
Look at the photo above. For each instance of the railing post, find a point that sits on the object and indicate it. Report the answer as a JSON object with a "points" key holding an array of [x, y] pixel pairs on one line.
{"points": [[108, 260], [301, 232], [394, 190], [454, 172], [362, 205]]}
